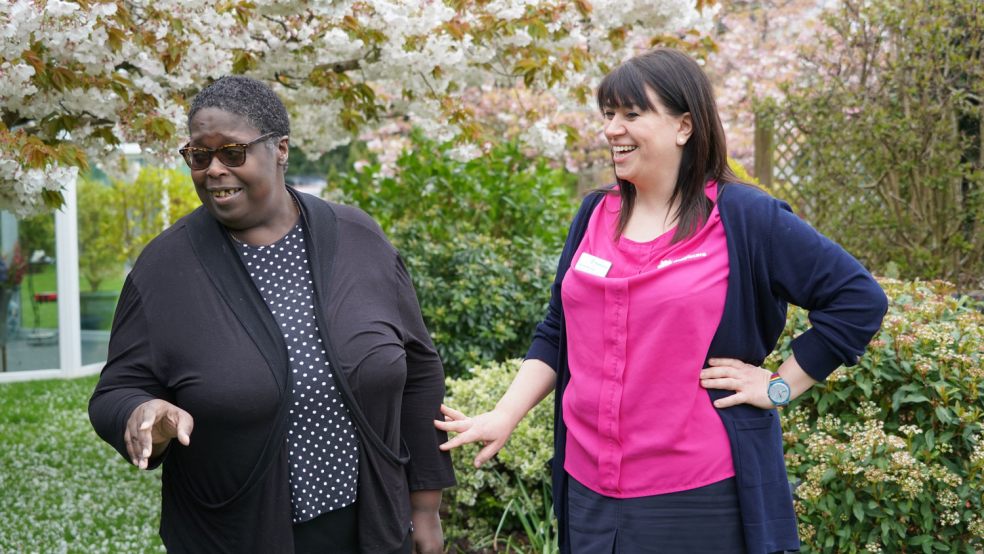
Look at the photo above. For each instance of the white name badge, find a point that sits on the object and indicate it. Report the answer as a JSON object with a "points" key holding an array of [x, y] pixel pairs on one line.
{"points": [[592, 265]]}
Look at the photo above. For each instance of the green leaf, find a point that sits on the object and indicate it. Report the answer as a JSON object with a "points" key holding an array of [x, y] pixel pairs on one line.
{"points": [[52, 199], [914, 398], [858, 511]]}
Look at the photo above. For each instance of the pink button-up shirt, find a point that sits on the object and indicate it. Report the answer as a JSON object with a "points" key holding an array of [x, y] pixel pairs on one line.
{"points": [[638, 331]]}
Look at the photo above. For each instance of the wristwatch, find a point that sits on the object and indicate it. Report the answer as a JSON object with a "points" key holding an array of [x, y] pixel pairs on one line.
{"points": [[779, 391]]}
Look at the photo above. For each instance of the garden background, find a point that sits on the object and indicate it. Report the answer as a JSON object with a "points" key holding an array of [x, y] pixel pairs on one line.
{"points": [[465, 129]]}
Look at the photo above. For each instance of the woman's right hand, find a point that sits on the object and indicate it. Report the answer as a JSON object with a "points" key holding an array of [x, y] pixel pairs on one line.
{"points": [[491, 428], [151, 427]]}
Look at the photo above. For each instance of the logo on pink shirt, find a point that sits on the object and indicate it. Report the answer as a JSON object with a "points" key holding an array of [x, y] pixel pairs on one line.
{"points": [[687, 258]]}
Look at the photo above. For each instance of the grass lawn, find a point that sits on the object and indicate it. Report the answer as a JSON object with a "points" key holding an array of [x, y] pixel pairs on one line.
{"points": [[62, 489], [46, 281]]}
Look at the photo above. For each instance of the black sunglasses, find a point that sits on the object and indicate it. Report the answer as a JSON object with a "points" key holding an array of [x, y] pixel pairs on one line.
{"points": [[231, 155]]}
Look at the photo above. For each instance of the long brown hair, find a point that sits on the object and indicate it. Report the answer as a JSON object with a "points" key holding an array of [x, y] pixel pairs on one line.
{"points": [[682, 87]]}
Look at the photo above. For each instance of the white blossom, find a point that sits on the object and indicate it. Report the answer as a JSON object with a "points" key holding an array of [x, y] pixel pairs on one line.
{"points": [[545, 140], [465, 152], [428, 54]]}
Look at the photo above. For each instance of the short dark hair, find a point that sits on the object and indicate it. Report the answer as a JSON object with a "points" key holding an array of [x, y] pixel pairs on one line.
{"points": [[247, 97], [682, 87]]}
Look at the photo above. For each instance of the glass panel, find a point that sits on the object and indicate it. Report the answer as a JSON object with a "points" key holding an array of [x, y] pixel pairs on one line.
{"points": [[101, 254], [28, 294]]}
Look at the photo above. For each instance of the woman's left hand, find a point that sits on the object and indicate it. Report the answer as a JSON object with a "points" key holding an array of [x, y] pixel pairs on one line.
{"points": [[750, 382], [428, 538], [425, 508]]}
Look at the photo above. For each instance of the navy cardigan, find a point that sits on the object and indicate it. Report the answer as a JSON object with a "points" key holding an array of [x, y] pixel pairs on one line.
{"points": [[775, 258]]}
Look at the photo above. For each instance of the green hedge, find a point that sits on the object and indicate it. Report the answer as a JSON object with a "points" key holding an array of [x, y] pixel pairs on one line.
{"points": [[480, 239], [885, 456]]}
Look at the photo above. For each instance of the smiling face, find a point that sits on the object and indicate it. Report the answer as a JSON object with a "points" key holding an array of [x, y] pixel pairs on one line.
{"points": [[251, 199], [646, 144]]}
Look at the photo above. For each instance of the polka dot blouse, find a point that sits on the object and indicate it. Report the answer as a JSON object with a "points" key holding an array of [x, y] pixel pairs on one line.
{"points": [[322, 444]]}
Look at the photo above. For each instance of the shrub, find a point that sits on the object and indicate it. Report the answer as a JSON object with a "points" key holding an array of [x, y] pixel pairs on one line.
{"points": [[480, 239], [889, 454], [479, 501]]}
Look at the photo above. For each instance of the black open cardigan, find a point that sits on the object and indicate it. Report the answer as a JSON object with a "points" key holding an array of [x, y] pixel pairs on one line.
{"points": [[191, 328], [774, 258]]}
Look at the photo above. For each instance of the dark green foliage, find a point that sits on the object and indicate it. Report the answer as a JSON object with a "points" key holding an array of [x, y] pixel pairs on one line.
{"points": [[891, 163], [480, 239], [889, 454]]}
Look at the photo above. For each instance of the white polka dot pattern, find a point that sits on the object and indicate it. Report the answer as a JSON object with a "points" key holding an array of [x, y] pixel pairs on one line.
{"points": [[322, 443]]}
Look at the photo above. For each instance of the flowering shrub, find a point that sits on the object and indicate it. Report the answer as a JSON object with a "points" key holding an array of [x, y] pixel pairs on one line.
{"points": [[888, 455], [480, 239], [477, 504]]}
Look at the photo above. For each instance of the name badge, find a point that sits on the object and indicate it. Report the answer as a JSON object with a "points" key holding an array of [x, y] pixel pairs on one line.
{"points": [[592, 265]]}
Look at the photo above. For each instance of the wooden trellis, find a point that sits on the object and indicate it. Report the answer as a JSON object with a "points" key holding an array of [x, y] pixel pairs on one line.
{"points": [[778, 152]]}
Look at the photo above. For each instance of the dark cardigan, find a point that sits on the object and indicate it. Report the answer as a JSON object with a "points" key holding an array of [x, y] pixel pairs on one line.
{"points": [[774, 258], [191, 328]]}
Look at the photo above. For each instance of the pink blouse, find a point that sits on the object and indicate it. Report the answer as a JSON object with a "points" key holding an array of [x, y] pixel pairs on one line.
{"points": [[640, 318]]}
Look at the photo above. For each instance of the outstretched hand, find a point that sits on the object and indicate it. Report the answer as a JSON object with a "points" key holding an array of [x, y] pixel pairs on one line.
{"points": [[492, 429], [151, 427]]}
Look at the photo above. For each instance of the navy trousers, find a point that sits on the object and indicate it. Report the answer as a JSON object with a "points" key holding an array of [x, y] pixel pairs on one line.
{"points": [[696, 521]]}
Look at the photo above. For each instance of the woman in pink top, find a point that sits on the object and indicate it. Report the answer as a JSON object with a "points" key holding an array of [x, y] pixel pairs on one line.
{"points": [[671, 291]]}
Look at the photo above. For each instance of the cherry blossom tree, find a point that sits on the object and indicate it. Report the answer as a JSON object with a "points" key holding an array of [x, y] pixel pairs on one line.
{"points": [[760, 45], [77, 78]]}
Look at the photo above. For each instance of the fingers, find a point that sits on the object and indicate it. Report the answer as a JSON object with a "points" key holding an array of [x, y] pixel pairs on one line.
{"points": [[155, 422], [750, 382], [130, 447], [184, 426], [721, 377], [488, 452], [732, 400], [732, 362], [492, 429], [455, 422], [451, 413], [140, 440], [723, 383], [453, 426], [459, 440], [718, 372]]}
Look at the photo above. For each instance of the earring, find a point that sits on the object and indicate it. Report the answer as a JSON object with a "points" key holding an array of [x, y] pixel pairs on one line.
{"points": [[681, 141]]}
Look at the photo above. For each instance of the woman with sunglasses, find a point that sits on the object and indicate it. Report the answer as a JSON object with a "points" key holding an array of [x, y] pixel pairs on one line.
{"points": [[269, 352], [670, 293]]}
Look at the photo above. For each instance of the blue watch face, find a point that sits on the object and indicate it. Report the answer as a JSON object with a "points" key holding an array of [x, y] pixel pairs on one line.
{"points": [[779, 392]]}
